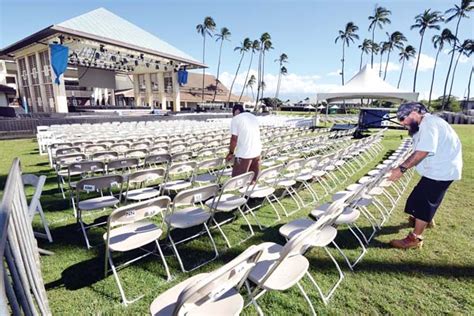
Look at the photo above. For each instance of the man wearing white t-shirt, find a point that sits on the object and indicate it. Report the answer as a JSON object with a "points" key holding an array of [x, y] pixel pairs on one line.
{"points": [[437, 156], [245, 144]]}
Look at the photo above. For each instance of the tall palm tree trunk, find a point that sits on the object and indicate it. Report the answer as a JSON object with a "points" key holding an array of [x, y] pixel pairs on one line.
{"points": [[203, 69], [450, 64], [361, 55], [469, 85], [263, 73], [452, 79], [380, 65], [401, 73], [278, 84], [235, 77], [386, 65], [246, 76], [372, 51], [218, 69], [342, 61], [433, 76], [418, 61], [259, 82]]}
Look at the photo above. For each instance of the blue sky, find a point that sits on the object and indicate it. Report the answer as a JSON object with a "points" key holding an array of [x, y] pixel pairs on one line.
{"points": [[304, 30]]}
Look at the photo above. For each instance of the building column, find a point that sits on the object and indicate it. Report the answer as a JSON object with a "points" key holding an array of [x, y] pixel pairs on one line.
{"points": [[19, 81], [105, 95], [176, 93], [32, 101], [149, 91], [136, 90], [161, 90], [112, 97], [44, 99]]}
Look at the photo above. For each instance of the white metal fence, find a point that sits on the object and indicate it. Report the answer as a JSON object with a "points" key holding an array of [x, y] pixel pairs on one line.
{"points": [[22, 289]]}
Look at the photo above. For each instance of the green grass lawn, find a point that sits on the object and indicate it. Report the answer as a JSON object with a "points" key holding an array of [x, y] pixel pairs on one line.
{"points": [[437, 279]]}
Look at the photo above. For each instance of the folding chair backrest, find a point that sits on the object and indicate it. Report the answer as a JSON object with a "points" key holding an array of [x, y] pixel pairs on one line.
{"points": [[294, 165], [148, 175], [158, 150], [157, 159], [217, 283], [136, 153], [137, 211], [205, 153], [84, 167], [99, 183], [238, 182], [105, 155], [184, 167], [270, 173], [94, 148], [183, 156], [212, 164], [195, 195], [141, 145], [120, 147], [67, 151], [120, 164], [68, 159]]}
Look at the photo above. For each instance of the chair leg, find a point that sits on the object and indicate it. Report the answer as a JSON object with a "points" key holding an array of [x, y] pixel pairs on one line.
{"points": [[306, 298], [125, 301], [222, 233], [45, 223]]}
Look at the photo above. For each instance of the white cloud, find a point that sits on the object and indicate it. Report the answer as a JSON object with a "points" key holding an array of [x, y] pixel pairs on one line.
{"points": [[334, 73], [290, 84], [390, 67], [426, 63], [464, 59]]}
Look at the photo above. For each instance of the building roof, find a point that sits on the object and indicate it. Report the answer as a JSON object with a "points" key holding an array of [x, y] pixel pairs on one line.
{"points": [[104, 26], [192, 91]]}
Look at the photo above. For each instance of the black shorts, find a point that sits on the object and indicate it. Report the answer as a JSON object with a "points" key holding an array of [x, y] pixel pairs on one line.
{"points": [[425, 198]]}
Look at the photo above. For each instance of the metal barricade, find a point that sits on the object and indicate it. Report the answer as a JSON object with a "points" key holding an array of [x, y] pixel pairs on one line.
{"points": [[22, 290]]}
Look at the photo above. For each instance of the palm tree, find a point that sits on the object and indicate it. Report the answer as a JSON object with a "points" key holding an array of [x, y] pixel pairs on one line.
{"points": [[446, 36], [347, 36], [384, 47], [426, 20], [250, 84], [396, 40], [283, 59], [255, 47], [283, 72], [205, 29], [224, 34], [379, 18], [375, 48], [469, 84], [456, 12], [364, 49], [265, 45], [243, 48], [405, 55], [466, 48]]}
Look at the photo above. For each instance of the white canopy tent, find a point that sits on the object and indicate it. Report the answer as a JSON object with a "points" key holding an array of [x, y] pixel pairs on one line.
{"points": [[366, 84]]}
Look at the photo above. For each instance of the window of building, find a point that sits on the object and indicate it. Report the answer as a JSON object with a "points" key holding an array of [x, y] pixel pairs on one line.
{"points": [[11, 80], [168, 85]]}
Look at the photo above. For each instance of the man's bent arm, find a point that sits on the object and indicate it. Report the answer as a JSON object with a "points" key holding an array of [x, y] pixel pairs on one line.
{"points": [[414, 159]]}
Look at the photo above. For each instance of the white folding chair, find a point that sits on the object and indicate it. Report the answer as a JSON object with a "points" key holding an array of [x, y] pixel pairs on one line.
{"points": [[214, 293], [189, 211], [141, 184], [35, 203], [129, 228]]}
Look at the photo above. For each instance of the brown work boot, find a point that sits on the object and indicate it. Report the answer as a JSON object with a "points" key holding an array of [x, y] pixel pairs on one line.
{"points": [[412, 220], [410, 241]]}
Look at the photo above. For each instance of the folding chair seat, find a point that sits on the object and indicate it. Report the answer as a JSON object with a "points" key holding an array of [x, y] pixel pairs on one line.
{"points": [[80, 170], [204, 153], [182, 156], [180, 176], [189, 211], [130, 228], [213, 293], [230, 199], [122, 165], [209, 171], [141, 184], [136, 153], [35, 203], [121, 148], [103, 197], [105, 156], [140, 145], [175, 148]]}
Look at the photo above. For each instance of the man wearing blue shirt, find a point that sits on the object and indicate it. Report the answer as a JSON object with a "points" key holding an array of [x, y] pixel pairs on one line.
{"points": [[437, 157]]}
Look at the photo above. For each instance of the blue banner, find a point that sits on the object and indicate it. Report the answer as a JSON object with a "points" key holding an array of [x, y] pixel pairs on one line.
{"points": [[182, 77], [59, 57]]}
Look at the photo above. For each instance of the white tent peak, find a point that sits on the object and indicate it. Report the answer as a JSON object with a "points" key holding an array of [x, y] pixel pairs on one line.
{"points": [[368, 85]]}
